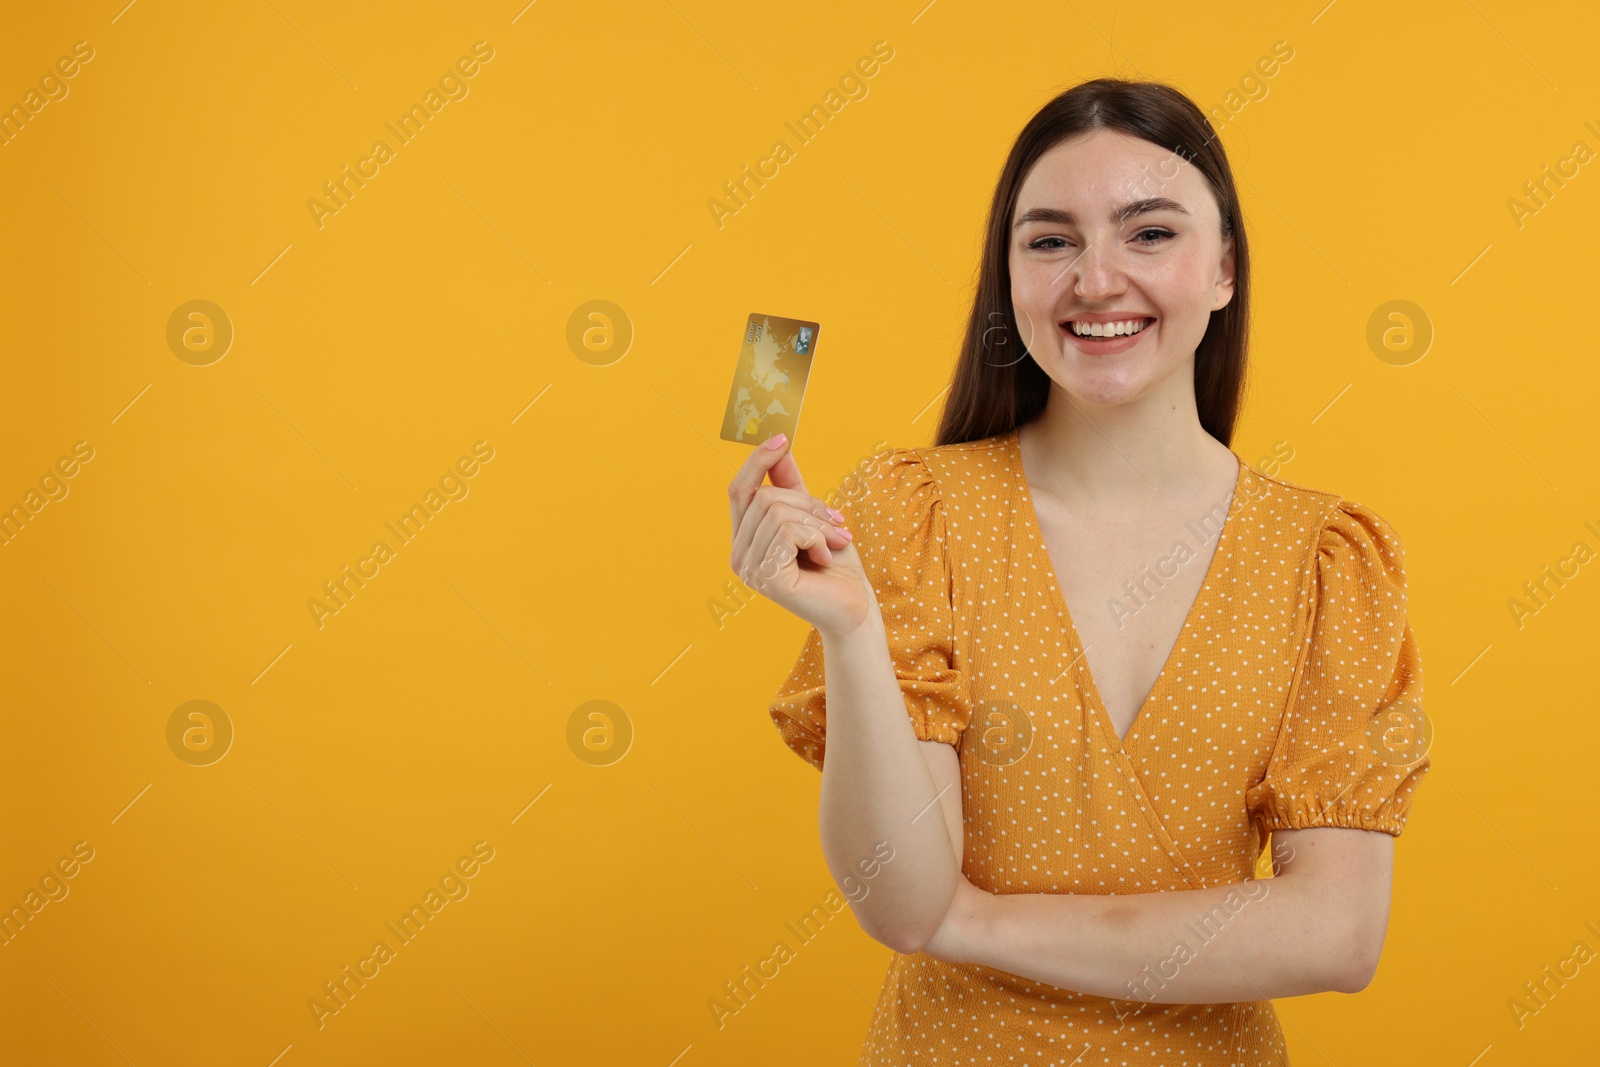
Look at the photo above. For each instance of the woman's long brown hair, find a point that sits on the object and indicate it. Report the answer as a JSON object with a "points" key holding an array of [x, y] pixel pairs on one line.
{"points": [[995, 386]]}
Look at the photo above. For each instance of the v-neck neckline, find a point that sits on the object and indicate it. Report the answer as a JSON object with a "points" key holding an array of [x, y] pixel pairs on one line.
{"points": [[1058, 599]]}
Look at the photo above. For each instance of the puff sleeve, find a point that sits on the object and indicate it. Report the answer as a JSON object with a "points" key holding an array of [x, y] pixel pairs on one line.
{"points": [[897, 517], [1352, 747]]}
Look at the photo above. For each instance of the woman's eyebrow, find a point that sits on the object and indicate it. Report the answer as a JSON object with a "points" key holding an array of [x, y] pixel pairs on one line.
{"points": [[1122, 214]]}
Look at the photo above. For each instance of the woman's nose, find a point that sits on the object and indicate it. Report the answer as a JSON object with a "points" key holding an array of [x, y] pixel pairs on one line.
{"points": [[1097, 273]]}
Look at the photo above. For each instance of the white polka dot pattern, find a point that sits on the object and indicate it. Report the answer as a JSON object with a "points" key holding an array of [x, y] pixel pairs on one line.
{"points": [[1259, 720]]}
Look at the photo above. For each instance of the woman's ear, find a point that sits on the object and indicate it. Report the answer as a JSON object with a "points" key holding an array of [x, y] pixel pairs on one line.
{"points": [[1222, 291]]}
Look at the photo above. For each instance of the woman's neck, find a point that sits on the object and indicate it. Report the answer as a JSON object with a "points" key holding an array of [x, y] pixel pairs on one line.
{"points": [[1125, 460]]}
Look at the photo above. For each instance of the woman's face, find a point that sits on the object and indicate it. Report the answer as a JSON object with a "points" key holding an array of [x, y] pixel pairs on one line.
{"points": [[1165, 266]]}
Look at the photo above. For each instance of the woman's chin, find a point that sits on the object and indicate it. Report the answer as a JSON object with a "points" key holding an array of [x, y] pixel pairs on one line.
{"points": [[1101, 387], [1098, 381]]}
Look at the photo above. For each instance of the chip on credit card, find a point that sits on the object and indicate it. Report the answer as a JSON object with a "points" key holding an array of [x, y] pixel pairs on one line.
{"points": [[769, 381]]}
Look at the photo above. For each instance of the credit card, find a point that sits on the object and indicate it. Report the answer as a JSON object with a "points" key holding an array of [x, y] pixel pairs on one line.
{"points": [[769, 381]]}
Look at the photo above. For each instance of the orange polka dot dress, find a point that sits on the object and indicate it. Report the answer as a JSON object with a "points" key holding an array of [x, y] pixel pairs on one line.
{"points": [[1278, 708]]}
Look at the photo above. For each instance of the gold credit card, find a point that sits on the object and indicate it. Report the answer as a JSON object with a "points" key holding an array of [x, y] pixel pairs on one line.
{"points": [[770, 380]]}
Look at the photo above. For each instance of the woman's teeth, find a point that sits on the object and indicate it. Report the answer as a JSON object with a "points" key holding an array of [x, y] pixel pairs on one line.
{"points": [[1108, 329]]}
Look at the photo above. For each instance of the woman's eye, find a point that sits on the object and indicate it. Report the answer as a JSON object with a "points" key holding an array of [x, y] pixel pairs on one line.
{"points": [[1149, 236]]}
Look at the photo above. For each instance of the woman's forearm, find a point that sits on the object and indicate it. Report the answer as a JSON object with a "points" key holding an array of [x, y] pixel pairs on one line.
{"points": [[877, 789], [1253, 940]]}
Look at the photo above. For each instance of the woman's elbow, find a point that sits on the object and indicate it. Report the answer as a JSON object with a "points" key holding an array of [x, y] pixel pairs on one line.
{"points": [[902, 916], [893, 931], [1359, 959]]}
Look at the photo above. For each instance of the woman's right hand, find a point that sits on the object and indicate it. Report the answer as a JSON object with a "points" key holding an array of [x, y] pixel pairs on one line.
{"points": [[788, 547]]}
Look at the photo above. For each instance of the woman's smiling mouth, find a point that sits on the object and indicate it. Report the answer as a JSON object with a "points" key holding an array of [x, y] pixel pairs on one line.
{"points": [[1106, 334], [1115, 328]]}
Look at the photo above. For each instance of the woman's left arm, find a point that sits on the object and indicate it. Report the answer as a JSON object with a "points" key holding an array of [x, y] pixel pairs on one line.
{"points": [[1317, 925]]}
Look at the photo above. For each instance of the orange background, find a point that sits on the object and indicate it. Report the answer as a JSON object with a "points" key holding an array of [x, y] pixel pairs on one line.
{"points": [[587, 558]]}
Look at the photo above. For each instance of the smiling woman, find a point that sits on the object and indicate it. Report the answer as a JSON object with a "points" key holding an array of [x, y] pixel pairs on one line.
{"points": [[1048, 853]]}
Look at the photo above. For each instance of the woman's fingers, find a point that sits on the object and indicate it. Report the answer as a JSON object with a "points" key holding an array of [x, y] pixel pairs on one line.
{"points": [[766, 498], [774, 523], [789, 538], [764, 524], [785, 473], [761, 462]]}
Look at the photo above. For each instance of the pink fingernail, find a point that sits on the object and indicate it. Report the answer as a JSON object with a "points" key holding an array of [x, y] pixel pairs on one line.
{"points": [[776, 441]]}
